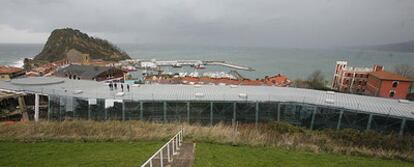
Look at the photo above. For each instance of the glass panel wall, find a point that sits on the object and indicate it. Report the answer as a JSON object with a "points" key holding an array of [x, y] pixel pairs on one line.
{"points": [[153, 111], [176, 111], [222, 112], [98, 110], [200, 112], [81, 108], [246, 112], [326, 118], [54, 107], [114, 112], [43, 111], [297, 114], [68, 108], [354, 120], [385, 124], [132, 110], [267, 112], [68, 111], [409, 127]]}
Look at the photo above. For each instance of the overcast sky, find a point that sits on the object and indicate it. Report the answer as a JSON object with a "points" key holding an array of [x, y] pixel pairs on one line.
{"points": [[275, 23]]}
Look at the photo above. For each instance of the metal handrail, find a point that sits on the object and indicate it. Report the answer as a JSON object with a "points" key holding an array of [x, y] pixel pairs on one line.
{"points": [[175, 141]]}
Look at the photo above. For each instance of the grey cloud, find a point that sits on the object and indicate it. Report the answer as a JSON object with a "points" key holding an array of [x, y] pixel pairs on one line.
{"points": [[280, 23]]}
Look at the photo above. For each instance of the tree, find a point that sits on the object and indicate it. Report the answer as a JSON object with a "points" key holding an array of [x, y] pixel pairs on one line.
{"points": [[316, 80], [404, 70]]}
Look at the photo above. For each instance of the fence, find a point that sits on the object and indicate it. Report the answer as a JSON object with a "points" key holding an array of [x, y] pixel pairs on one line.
{"points": [[171, 148]]}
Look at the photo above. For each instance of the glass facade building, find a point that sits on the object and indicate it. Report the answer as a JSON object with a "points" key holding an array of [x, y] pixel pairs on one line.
{"points": [[311, 116], [211, 104]]}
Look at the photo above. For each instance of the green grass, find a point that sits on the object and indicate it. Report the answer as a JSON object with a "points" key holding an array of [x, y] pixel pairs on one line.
{"points": [[63, 154], [44, 154], [239, 156]]}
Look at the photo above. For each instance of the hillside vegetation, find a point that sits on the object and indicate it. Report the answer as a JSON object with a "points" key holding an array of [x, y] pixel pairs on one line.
{"points": [[69, 154], [247, 156], [271, 135]]}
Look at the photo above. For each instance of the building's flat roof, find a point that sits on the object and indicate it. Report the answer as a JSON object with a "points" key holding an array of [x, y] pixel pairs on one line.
{"points": [[92, 89]]}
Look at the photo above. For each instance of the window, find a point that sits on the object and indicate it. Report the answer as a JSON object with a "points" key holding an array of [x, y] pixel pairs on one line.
{"points": [[394, 84], [392, 93]]}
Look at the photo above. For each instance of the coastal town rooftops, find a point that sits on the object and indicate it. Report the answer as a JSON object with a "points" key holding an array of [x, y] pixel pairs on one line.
{"points": [[385, 75], [9, 70], [219, 93]]}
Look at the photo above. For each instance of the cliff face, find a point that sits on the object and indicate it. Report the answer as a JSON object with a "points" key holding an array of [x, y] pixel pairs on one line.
{"points": [[62, 41]]}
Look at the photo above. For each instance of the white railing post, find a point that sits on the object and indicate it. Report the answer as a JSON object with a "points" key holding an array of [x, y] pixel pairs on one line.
{"points": [[173, 147], [174, 143], [161, 161], [179, 138], [168, 152]]}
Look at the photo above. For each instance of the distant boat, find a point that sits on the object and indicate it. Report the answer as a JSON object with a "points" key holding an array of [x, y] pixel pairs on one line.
{"points": [[199, 66]]}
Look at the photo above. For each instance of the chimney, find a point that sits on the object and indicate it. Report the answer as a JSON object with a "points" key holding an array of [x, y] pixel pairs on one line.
{"points": [[378, 67]]}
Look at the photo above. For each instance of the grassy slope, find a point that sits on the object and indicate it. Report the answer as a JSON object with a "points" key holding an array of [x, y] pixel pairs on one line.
{"points": [[239, 156], [76, 154]]}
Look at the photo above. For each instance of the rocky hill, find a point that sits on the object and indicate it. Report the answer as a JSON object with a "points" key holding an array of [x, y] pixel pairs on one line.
{"points": [[62, 41]]}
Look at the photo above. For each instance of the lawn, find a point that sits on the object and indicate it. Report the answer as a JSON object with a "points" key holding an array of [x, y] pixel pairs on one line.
{"points": [[239, 156], [103, 154], [64, 154]]}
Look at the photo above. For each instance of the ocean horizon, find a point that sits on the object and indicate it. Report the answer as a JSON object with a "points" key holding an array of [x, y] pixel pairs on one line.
{"points": [[294, 62]]}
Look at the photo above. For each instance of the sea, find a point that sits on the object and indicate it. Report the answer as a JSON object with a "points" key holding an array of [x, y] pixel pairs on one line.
{"points": [[296, 63]]}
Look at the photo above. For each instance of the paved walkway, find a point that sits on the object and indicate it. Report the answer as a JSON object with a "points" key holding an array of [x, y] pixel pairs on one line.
{"points": [[184, 158]]}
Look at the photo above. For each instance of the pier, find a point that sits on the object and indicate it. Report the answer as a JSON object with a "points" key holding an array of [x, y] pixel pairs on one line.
{"points": [[157, 64]]}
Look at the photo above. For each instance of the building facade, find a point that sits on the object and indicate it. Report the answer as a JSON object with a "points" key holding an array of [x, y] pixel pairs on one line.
{"points": [[387, 84], [351, 79], [7, 72], [211, 104]]}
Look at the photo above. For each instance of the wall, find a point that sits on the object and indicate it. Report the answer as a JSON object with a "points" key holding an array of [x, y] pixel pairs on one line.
{"points": [[4, 77], [401, 90], [209, 113], [373, 86]]}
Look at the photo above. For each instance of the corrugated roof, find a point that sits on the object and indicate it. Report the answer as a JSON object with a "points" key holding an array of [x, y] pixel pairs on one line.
{"points": [[385, 75], [92, 89]]}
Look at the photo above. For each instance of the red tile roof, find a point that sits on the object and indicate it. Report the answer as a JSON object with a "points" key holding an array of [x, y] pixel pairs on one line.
{"points": [[9, 70], [385, 75]]}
